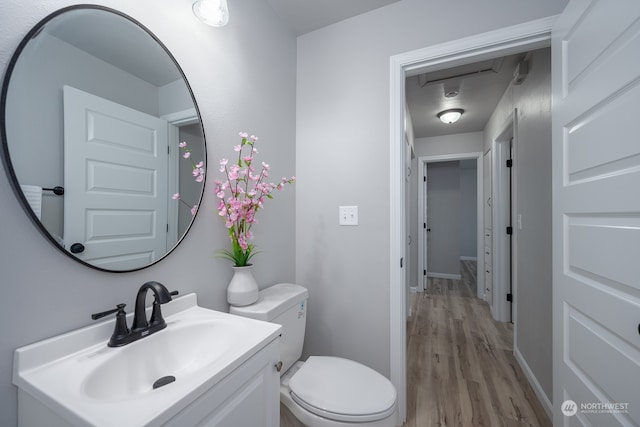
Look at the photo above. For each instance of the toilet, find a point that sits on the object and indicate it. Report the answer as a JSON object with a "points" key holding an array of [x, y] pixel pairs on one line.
{"points": [[322, 391]]}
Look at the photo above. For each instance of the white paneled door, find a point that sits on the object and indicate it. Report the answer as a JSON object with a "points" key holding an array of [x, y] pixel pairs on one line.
{"points": [[596, 213], [115, 179]]}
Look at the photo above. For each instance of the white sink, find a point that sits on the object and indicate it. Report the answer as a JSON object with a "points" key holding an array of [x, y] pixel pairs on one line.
{"points": [[181, 350], [87, 383]]}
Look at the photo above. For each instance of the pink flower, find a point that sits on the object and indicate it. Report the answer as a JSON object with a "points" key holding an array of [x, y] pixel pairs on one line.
{"points": [[182, 144], [200, 164], [176, 196], [242, 241], [194, 209], [247, 194], [187, 154]]}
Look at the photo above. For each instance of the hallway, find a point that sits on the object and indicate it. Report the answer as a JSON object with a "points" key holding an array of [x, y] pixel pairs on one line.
{"points": [[460, 369]]}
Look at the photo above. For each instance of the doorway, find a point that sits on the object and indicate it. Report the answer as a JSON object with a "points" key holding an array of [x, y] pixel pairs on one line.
{"points": [[423, 203], [519, 38]]}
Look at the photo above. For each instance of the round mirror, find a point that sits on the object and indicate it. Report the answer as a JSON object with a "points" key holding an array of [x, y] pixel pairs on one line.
{"points": [[95, 116]]}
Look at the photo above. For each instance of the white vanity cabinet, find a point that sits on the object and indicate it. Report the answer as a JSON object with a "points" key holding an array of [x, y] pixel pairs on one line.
{"points": [[249, 396], [224, 371]]}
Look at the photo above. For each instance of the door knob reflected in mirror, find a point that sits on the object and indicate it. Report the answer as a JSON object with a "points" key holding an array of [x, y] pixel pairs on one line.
{"points": [[76, 248]]}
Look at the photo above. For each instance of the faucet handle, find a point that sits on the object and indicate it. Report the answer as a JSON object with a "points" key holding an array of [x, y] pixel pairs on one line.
{"points": [[156, 313], [121, 330], [96, 316]]}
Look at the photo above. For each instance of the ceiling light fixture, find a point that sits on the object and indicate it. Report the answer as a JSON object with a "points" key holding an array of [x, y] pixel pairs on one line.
{"points": [[212, 12], [450, 116]]}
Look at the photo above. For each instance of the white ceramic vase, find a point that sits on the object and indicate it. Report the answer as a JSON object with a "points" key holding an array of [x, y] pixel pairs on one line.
{"points": [[243, 288]]}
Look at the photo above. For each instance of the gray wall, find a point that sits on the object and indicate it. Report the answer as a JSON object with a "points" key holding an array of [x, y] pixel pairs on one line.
{"points": [[533, 243], [342, 157], [243, 81], [443, 218]]}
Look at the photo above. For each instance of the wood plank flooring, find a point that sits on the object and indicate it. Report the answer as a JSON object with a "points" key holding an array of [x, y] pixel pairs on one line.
{"points": [[460, 369]]}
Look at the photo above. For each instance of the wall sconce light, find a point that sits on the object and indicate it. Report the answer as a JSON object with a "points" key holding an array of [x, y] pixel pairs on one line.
{"points": [[212, 12], [450, 116]]}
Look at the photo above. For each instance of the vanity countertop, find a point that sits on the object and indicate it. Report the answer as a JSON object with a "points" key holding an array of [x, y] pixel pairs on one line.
{"points": [[84, 381]]}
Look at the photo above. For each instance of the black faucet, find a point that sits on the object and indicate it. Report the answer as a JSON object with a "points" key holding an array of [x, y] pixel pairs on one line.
{"points": [[140, 327]]}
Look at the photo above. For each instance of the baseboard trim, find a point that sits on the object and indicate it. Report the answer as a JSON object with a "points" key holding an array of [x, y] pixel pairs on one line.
{"points": [[468, 258], [535, 385], [444, 275]]}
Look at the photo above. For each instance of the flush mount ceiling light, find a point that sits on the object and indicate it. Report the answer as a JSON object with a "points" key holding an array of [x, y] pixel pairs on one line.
{"points": [[450, 116], [212, 12]]}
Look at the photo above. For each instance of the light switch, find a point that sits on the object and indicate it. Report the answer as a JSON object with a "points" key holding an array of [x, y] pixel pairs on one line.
{"points": [[348, 215]]}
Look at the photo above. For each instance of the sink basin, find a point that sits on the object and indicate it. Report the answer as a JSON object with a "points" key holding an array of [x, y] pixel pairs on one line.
{"points": [[177, 351], [85, 382]]}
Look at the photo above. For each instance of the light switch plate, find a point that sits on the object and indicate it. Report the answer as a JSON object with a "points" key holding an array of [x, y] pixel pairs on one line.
{"points": [[348, 215]]}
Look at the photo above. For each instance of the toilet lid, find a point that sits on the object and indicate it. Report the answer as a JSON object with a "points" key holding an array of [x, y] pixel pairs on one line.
{"points": [[342, 390]]}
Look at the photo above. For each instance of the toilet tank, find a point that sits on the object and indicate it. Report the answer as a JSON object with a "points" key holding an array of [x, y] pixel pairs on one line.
{"points": [[286, 305]]}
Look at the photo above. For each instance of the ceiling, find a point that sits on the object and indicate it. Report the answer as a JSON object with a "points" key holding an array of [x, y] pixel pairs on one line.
{"points": [[304, 16], [480, 86]]}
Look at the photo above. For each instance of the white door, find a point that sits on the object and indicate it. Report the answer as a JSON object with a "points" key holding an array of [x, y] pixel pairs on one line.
{"points": [[115, 180], [596, 213]]}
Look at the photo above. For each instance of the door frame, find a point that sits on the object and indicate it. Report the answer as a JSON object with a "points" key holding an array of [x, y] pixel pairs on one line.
{"points": [[504, 260], [517, 38], [174, 122], [422, 246]]}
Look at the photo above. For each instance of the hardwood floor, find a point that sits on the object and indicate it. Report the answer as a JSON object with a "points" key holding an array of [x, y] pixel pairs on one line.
{"points": [[460, 369]]}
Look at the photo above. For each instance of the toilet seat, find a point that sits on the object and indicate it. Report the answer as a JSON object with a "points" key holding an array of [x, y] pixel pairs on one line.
{"points": [[342, 390]]}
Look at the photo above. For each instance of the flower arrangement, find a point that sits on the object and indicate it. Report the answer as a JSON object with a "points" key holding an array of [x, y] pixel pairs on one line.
{"points": [[198, 175], [242, 194]]}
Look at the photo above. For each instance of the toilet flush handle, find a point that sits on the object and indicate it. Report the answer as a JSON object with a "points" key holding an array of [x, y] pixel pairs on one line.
{"points": [[279, 366]]}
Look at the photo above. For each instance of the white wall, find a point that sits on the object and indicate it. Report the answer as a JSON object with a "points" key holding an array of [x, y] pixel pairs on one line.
{"points": [[342, 157], [458, 143], [533, 199], [242, 80]]}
